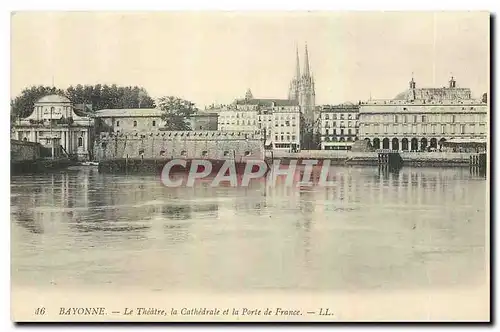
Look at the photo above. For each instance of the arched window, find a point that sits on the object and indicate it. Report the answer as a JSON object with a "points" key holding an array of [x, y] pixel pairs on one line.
{"points": [[135, 123], [80, 141]]}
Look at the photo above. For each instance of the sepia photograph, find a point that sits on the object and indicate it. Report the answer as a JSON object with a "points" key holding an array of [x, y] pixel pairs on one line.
{"points": [[244, 166]]}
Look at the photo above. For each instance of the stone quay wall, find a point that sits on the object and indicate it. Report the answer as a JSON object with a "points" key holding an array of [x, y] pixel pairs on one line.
{"points": [[371, 158], [23, 151], [179, 144]]}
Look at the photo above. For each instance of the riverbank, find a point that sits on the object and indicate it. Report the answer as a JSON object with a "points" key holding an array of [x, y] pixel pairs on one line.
{"points": [[416, 159], [39, 166], [335, 158]]}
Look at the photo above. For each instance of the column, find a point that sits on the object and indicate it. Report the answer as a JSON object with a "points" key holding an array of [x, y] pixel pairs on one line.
{"points": [[70, 145], [63, 139], [86, 140]]}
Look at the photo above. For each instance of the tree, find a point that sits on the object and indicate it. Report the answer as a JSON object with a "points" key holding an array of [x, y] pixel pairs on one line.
{"points": [[484, 98], [176, 112], [22, 105], [100, 96]]}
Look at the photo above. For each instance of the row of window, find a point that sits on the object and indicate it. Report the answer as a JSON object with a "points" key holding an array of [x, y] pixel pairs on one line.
{"points": [[472, 108], [423, 128], [341, 131], [341, 116], [405, 118], [238, 123], [153, 123], [287, 124], [268, 118], [334, 124], [284, 146], [245, 115], [343, 147], [288, 137], [341, 139]]}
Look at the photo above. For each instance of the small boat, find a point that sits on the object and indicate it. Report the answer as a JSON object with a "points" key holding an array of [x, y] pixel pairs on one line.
{"points": [[89, 163]]}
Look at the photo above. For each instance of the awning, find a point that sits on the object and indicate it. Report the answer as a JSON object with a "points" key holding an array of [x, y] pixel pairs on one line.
{"points": [[467, 140]]}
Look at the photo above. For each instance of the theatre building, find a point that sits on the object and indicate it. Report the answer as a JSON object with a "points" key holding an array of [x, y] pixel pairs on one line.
{"points": [[423, 119], [59, 126]]}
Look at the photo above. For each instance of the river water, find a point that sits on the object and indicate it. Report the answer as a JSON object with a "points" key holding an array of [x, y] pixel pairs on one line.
{"points": [[419, 228]]}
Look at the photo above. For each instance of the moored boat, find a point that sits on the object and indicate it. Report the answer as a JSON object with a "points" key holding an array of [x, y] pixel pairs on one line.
{"points": [[89, 163]]}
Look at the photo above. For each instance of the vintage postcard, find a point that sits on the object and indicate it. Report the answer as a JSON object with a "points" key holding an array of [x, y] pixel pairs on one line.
{"points": [[250, 166]]}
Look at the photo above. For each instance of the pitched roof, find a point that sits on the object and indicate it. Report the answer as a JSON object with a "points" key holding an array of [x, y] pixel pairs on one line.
{"points": [[129, 112], [267, 102], [83, 109]]}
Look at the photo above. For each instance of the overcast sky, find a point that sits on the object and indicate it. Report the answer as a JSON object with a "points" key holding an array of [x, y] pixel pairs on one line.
{"points": [[214, 57]]}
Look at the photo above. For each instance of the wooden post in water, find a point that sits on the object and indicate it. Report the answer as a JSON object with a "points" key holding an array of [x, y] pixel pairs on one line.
{"points": [[126, 163]]}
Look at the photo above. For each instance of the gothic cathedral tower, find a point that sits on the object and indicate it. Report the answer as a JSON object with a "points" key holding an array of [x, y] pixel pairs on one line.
{"points": [[302, 91], [294, 91], [307, 94], [302, 88]]}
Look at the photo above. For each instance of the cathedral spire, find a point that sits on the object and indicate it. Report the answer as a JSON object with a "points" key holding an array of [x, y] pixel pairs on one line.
{"points": [[248, 94], [306, 63], [297, 66]]}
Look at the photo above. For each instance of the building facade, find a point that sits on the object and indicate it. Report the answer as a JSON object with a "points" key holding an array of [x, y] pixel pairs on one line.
{"points": [[204, 121], [338, 126], [238, 117], [148, 119], [56, 124], [288, 123], [422, 119], [278, 120]]}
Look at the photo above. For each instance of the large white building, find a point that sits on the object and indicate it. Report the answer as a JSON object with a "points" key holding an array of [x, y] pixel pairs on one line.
{"points": [[422, 119], [338, 126], [276, 119], [57, 124]]}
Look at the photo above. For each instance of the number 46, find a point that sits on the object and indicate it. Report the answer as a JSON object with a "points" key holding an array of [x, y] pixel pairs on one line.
{"points": [[40, 311]]}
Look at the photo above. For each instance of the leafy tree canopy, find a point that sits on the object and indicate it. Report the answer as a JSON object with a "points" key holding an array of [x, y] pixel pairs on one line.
{"points": [[99, 96], [176, 112]]}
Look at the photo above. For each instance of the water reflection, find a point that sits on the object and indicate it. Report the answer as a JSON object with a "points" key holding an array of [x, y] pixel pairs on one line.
{"points": [[373, 228]]}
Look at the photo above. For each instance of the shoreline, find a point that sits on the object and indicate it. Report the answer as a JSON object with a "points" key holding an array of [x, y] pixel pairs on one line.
{"points": [[39, 166], [155, 165]]}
